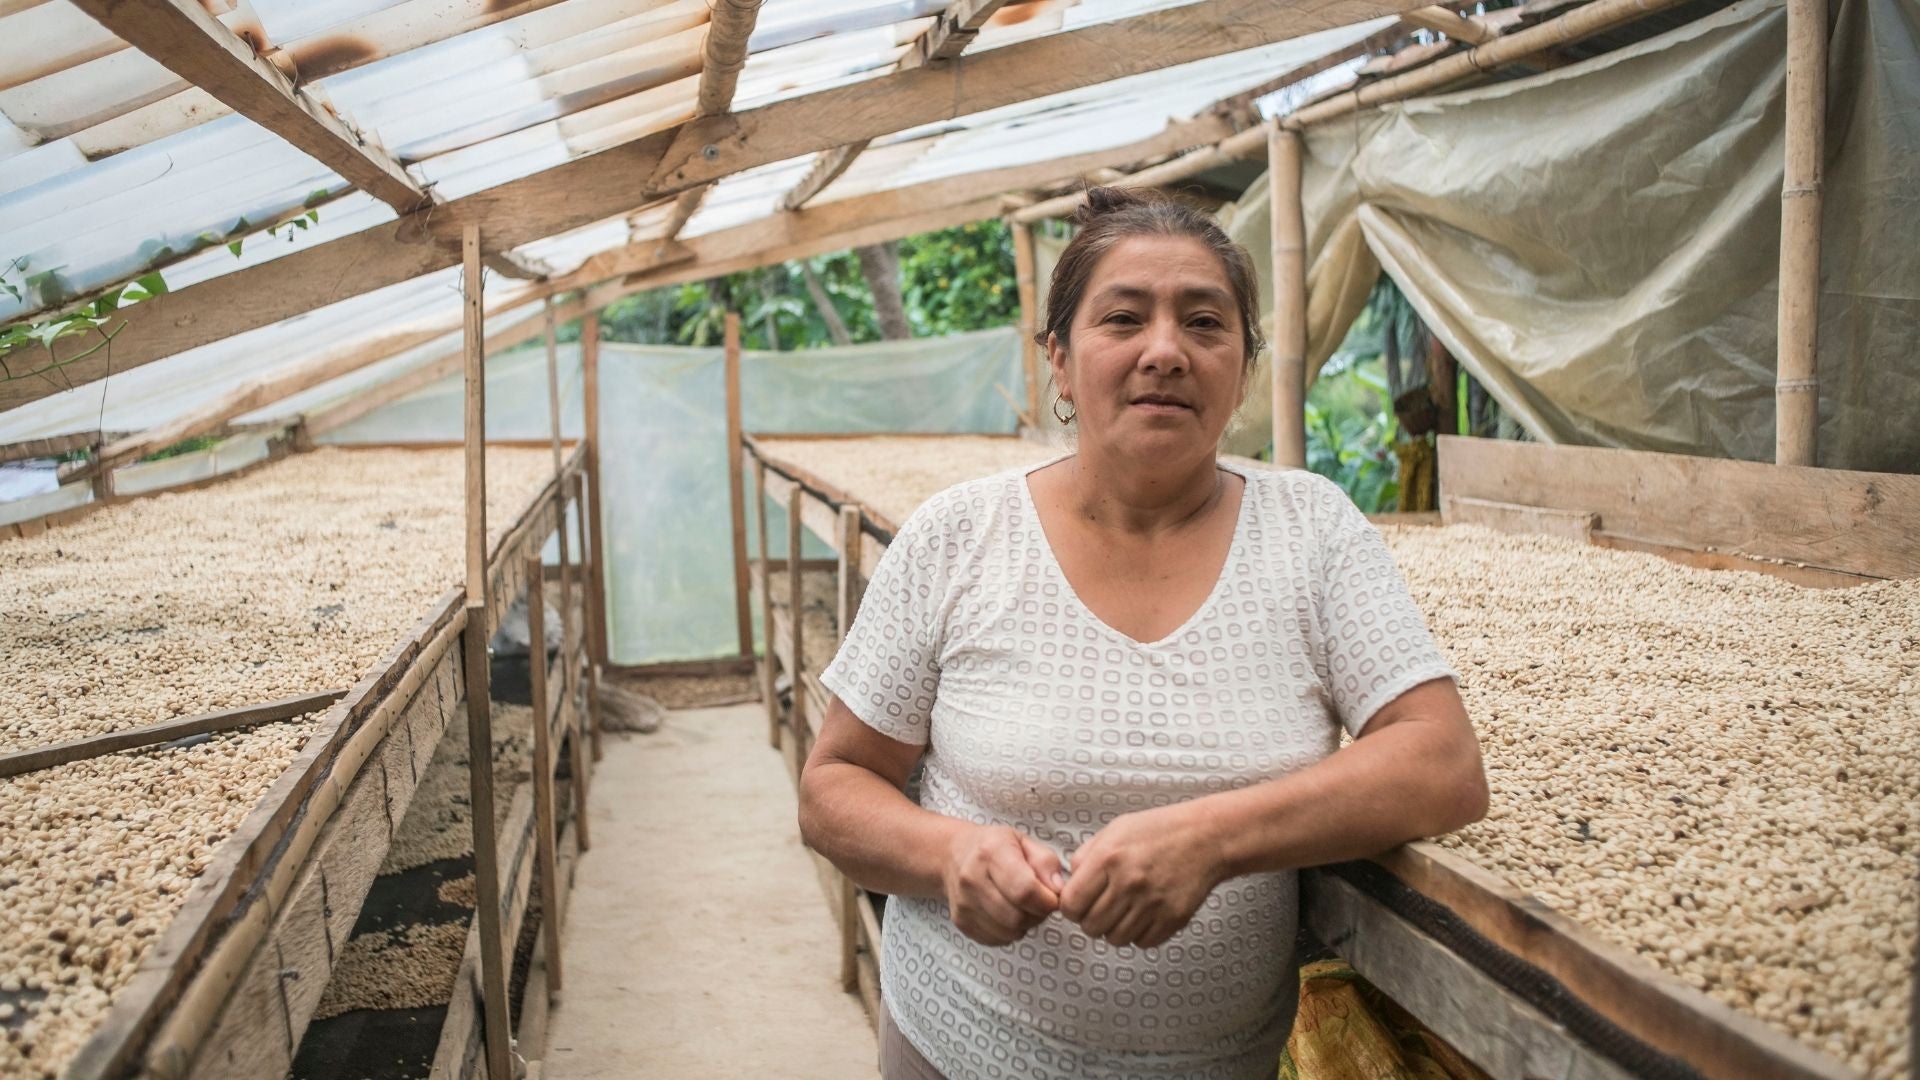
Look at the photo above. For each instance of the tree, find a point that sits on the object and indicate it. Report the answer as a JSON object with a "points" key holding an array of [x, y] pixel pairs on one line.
{"points": [[881, 267]]}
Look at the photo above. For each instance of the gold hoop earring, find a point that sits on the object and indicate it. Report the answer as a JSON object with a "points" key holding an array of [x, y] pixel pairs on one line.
{"points": [[1067, 419]]}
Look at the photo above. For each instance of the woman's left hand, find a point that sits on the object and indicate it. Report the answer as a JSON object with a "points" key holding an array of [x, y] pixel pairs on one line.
{"points": [[1140, 879]]}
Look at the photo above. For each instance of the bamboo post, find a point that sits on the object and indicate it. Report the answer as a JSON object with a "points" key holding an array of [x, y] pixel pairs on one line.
{"points": [[766, 605], [847, 607], [577, 739], [1025, 270], [592, 546], [486, 854], [1796, 387], [796, 622], [544, 824], [736, 492], [1289, 300]]}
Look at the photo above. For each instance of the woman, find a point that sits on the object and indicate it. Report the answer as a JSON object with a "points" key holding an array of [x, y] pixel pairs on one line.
{"points": [[1124, 670]]}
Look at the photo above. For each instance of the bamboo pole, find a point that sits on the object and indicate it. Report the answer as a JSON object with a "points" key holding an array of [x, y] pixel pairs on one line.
{"points": [[766, 606], [736, 488], [592, 545], [1289, 300], [1579, 23], [1026, 277], [486, 870], [545, 824], [1797, 371], [796, 624]]}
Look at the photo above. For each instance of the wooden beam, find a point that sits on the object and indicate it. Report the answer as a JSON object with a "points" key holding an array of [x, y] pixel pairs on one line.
{"points": [[826, 169], [1025, 277], [951, 33], [767, 695], [603, 185], [194, 45], [736, 488], [1229, 151], [1796, 387], [723, 52], [486, 863], [883, 215], [1518, 46], [513, 265], [796, 623], [1289, 346], [49, 446], [46, 757], [593, 542]]}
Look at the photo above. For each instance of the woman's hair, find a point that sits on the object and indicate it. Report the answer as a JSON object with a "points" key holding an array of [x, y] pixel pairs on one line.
{"points": [[1110, 215]]}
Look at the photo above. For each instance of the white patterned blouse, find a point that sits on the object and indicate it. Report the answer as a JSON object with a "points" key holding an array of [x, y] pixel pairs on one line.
{"points": [[1038, 715]]}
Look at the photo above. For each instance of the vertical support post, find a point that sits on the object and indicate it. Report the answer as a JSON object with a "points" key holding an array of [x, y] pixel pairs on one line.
{"points": [[577, 738], [847, 607], [569, 671], [736, 493], [1796, 388], [1025, 276], [486, 852], [545, 823], [1289, 299], [796, 623], [766, 605], [592, 546]]}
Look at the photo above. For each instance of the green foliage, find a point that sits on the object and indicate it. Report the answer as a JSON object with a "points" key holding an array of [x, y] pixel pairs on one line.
{"points": [[952, 281], [1350, 433], [184, 446]]}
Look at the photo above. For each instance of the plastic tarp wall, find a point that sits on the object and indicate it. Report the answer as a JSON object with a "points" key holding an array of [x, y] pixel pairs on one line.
{"points": [[1599, 245], [663, 454]]}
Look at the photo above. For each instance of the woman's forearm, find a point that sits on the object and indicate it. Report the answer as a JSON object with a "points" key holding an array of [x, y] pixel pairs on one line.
{"points": [[875, 834], [1408, 781]]}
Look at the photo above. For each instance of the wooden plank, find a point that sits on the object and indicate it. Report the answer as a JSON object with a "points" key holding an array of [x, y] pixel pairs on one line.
{"points": [[1577, 525], [1832, 519], [46, 757], [796, 623], [736, 487], [1491, 1025], [602, 185], [184, 38], [761, 479], [545, 830], [1648, 1004], [50, 446], [951, 34], [495, 1023], [591, 544]]}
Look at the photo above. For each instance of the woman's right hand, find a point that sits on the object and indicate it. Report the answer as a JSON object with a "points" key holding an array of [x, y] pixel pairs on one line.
{"points": [[1000, 883]]}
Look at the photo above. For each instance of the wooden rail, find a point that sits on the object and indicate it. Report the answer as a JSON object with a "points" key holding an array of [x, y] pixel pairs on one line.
{"points": [[46, 757], [1765, 514]]}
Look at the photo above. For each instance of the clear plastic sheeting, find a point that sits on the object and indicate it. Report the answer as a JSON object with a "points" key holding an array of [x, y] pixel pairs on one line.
{"points": [[663, 453], [1599, 245]]}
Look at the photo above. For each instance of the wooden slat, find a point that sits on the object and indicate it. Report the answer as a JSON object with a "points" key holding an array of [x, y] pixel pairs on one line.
{"points": [[951, 33], [1833, 519], [603, 185], [1577, 525], [767, 695], [1491, 1025], [796, 623], [545, 827], [825, 170], [736, 488], [46, 757], [192, 44], [1648, 1004], [50, 446]]}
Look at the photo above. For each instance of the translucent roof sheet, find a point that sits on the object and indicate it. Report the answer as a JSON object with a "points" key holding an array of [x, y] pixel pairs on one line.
{"points": [[111, 166]]}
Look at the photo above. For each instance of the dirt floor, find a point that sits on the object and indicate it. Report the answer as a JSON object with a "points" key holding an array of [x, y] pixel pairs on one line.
{"points": [[698, 942]]}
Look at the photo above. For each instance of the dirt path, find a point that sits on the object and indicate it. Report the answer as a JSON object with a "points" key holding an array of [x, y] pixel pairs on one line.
{"points": [[698, 943]]}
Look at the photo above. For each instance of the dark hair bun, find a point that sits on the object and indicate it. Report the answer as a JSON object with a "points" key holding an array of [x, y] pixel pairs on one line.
{"points": [[1101, 201]]}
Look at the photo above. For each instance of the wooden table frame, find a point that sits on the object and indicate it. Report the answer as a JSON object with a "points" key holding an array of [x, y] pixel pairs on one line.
{"points": [[1779, 520]]}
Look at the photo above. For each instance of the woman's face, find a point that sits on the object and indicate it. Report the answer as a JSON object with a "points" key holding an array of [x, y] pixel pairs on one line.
{"points": [[1156, 365]]}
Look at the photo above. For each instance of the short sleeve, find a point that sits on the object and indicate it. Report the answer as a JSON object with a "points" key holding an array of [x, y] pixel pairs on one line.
{"points": [[887, 670], [1376, 642]]}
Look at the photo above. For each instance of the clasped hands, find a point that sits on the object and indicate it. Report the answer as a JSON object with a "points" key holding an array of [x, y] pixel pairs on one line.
{"points": [[1137, 882]]}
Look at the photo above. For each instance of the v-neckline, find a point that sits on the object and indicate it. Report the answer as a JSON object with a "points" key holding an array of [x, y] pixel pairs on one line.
{"points": [[1066, 583]]}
